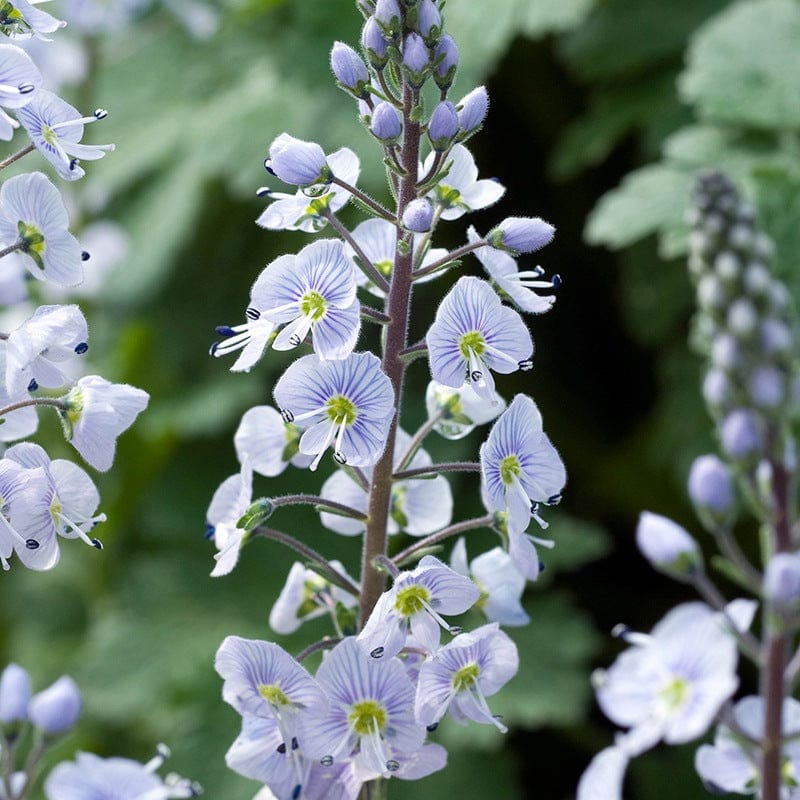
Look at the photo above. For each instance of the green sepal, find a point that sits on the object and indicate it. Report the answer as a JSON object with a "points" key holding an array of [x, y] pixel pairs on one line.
{"points": [[403, 247], [338, 512], [258, 512], [346, 619], [417, 113]]}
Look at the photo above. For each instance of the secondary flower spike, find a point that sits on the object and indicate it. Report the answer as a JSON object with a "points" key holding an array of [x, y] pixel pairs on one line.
{"points": [[347, 405], [474, 333]]}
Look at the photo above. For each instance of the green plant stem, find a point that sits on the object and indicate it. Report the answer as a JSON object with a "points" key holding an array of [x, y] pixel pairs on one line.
{"points": [[436, 469], [366, 200], [315, 500], [16, 156], [367, 267], [440, 536], [397, 307], [419, 438], [451, 256], [309, 553], [776, 639], [12, 248], [56, 402]]}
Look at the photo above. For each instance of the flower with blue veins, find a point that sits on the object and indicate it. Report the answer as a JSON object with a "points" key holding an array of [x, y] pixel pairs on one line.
{"points": [[56, 129], [347, 405], [474, 333]]}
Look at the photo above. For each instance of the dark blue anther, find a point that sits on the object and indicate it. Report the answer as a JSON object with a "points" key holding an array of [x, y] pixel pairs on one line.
{"points": [[377, 652], [209, 534], [33, 386], [556, 279], [263, 191], [85, 256], [97, 544], [296, 791], [225, 330], [282, 748], [268, 166], [31, 544], [81, 348]]}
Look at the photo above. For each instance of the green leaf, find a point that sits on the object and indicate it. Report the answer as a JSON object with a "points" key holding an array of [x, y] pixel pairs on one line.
{"points": [[649, 200], [743, 66]]}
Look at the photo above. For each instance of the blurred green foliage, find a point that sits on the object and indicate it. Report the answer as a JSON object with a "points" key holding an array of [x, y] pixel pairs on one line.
{"points": [[602, 113]]}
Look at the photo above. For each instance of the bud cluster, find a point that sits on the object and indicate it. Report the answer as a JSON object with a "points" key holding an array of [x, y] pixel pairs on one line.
{"points": [[746, 323]]}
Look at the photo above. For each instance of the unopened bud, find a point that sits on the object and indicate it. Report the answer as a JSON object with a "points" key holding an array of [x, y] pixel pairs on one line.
{"points": [[418, 215], [667, 546], [57, 708], [740, 434], [782, 581], [711, 490], [386, 124], [15, 694]]}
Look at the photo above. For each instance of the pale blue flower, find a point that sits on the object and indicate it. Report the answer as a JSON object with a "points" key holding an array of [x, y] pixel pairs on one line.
{"points": [[463, 673], [371, 711], [90, 777], [313, 292], [731, 764], [299, 212], [415, 605], [25, 524], [263, 680], [460, 409], [377, 239], [520, 466], [32, 212], [21, 19], [74, 497], [418, 507], [473, 333], [228, 504], [36, 349], [347, 404], [56, 128], [96, 413], [460, 191], [307, 595], [501, 584], [56, 709], [19, 80], [503, 270], [268, 442]]}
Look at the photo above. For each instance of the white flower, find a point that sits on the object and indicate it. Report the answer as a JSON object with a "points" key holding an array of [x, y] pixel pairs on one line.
{"points": [[96, 412], [460, 191]]}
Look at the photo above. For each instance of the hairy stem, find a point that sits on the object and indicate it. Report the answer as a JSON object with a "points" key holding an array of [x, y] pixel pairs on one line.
{"points": [[16, 156], [440, 536], [315, 500], [397, 307], [436, 469], [56, 402]]}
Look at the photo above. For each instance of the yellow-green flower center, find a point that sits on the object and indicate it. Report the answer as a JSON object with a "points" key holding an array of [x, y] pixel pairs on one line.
{"points": [[384, 267], [411, 600], [466, 677], [74, 406], [273, 694], [339, 409], [447, 195], [33, 241], [674, 694], [509, 469], [367, 716], [49, 135], [472, 341], [313, 305], [55, 510]]}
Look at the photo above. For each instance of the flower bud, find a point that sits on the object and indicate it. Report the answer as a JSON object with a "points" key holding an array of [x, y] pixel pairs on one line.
{"points": [[418, 215], [443, 126], [667, 546], [429, 21], [57, 708], [716, 389], [782, 581], [742, 318], [297, 162], [775, 337], [740, 435], [350, 70], [445, 60], [416, 60], [374, 43], [521, 234], [386, 124], [767, 387], [388, 17], [15, 694], [711, 491], [473, 109]]}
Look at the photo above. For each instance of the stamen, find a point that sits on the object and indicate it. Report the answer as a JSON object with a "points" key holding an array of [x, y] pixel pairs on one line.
{"points": [[268, 166], [81, 348], [622, 631], [100, 113], [263, 191], [326, 761], [377, 652], [252, 313], [33, 386], [281, 748], [157, 761], [85, 256], [31, 544], [526, 365], [25, 88], [225, 330], [287, 416], [392, 765]]}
